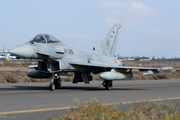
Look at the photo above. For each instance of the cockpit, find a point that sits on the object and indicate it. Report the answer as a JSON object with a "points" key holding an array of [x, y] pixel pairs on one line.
{"points": [[44, 38]]}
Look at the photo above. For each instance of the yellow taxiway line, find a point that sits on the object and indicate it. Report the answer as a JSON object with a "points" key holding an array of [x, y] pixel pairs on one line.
{"points": [[64, 108], [152, 100], [36, 110], [32, 91], [148, 86]]}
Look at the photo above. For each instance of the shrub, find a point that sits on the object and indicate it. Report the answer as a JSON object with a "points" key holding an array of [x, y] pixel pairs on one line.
{"points": [[11, 79], [96, 110], [34, 80], [178, 70], [26, 64], [160, 76], [155, 110], [38, 80], [144, 77]]}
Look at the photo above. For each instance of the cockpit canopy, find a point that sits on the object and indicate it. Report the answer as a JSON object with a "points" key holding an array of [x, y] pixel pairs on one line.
{"points": [[44, 38]]}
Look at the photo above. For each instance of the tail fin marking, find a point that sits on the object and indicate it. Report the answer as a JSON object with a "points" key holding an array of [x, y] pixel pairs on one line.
{"points": [[108, 45]]}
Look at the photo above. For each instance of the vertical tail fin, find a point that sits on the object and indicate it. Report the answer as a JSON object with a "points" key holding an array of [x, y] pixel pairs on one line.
{"points": [[108, 45]]}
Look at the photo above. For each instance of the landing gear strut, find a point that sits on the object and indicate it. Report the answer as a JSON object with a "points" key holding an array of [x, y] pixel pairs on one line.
{"points": [[55, 83], [107, 84]]}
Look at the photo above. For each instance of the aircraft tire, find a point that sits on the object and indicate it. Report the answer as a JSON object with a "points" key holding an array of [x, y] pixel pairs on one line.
{"points": [[108, 85], [57, 85], [52, 87]]}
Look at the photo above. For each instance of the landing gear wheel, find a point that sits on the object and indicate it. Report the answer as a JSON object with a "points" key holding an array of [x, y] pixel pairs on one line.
{"points": [[57, 83], [52, 87], [108, 85]]}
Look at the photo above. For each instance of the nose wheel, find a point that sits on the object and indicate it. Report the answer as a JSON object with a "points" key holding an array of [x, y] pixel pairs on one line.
{"points": [[52, 87], [55, 84]]}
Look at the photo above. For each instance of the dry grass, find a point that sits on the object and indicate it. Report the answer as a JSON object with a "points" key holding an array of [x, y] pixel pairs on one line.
{"points": [[39, 80], [17, 64], [156, 64], [19, 70], [18, 76], [9, 79], [174, 74], [97, 110]]}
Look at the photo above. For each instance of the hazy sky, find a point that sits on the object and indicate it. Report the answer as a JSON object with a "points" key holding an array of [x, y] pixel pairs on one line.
{"points": [[150, 27]]}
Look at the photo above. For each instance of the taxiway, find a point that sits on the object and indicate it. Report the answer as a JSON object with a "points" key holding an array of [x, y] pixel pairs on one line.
{"points": [[20, 101]]}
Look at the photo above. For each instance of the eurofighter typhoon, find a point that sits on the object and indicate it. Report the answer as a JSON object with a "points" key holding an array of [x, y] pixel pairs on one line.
{"points": [[57, 59]]}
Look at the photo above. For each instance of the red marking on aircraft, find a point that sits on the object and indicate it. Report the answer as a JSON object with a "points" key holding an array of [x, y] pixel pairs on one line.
{"points": [[115, 61]]}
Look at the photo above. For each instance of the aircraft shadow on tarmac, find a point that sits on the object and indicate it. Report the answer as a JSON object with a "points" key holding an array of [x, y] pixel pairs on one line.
{"points": [[67, 88], [94, 88]]}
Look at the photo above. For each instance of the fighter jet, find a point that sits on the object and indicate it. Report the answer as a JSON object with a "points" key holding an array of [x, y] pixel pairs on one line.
{"points": [[130, 59], [58, 58], [149, 59]]}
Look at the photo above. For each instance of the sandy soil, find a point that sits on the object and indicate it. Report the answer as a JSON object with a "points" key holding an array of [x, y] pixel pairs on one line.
{"points": [[8, 68]]}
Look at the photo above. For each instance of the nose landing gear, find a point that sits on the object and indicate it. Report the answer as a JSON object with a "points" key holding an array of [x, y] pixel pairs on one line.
{"points": [[55, 83]]}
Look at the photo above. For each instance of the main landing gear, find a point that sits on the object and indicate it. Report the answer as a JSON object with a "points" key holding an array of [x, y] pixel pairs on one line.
{"points": [[107, 84], [55, 83]]}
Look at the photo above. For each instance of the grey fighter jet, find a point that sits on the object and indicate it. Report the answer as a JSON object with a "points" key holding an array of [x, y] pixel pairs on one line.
{"points": [[58, 58]]}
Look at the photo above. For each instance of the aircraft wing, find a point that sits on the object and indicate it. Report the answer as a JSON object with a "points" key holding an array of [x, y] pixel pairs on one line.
{"points": [[114, 66]]}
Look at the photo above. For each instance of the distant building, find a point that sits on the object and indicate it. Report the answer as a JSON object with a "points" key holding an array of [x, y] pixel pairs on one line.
{"points": [[6, 55]]}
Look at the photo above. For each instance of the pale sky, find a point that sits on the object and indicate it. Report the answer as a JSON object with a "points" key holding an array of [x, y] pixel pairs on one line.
{"points": [[150, 27]]}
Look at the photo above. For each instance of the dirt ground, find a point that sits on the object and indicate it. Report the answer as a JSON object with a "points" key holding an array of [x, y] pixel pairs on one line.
{"points": [[9, 68]]}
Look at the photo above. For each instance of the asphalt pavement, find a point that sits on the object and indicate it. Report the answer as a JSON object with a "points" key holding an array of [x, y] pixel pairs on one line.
{"points": [[35, 101]]}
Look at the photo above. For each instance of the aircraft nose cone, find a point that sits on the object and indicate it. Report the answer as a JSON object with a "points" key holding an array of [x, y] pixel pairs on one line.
{"points": [[23, 51]]}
